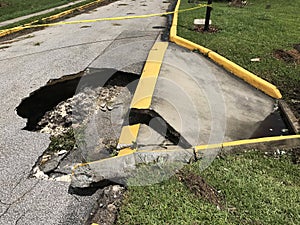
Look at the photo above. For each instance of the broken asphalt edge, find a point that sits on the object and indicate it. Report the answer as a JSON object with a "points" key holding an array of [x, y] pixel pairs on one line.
{"points": [[9, 31], [230, 66]]}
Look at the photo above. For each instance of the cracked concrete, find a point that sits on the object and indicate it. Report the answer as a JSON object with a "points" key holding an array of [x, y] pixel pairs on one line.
{"points": [[27, 65]]}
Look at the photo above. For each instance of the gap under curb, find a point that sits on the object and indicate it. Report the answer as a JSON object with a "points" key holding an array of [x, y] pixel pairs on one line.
{"points": [[232, 67]]}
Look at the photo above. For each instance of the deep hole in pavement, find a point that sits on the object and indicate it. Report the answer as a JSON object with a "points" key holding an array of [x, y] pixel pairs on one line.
{"points": [[83, 113]]}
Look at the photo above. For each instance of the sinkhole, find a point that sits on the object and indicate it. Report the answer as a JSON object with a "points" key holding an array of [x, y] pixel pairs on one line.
{"points": [[83, 114]]}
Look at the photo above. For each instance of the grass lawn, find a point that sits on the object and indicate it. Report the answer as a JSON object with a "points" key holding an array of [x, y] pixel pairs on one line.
{"points": [[254, 31], [257, 189], [15, 8], [253, 188]]}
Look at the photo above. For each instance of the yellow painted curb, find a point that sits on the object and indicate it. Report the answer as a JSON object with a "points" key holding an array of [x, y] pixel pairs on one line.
{"points": [[129, 134], [143, 95], [50, 18], [245, 142], [196, 149], [232, 67], [126, 151]]}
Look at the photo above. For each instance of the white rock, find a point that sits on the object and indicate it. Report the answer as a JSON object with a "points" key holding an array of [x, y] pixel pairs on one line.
{"points": [[65, 178]]}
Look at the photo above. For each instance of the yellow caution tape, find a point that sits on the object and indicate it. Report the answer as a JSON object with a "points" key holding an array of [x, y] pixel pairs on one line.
{"points": [[27, 26]]}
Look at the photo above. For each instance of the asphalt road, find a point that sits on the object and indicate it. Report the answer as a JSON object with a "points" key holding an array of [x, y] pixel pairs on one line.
{"points": [[27, 64]]}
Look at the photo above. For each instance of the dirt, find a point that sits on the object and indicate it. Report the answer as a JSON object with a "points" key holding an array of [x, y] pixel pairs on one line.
{"points": [[289, 56], [200, 28], [197, 185], [4, 4], [108, 205], [295, 155], [238, 3]]}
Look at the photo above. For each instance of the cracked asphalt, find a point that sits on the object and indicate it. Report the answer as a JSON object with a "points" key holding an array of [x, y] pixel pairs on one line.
{"points": [[28, 63]]}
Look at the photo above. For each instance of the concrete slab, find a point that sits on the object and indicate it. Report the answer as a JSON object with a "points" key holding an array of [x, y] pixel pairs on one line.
{"points": [[26, 65], [203, 102]]}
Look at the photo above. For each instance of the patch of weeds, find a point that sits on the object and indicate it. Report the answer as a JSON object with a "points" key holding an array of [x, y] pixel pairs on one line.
{"points": [[64, 141]]}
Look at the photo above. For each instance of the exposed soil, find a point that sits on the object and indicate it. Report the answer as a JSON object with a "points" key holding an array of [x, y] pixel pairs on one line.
{"points": [[238, 3], [107, 208], [200, 28], [289, 56], [296, 155], [292, 57], [4, 4], [201, 188]]}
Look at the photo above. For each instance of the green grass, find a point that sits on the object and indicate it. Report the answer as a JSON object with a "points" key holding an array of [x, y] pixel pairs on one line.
{"points": [[17, 8], [258, 190], [39, 17], [251, 32]]}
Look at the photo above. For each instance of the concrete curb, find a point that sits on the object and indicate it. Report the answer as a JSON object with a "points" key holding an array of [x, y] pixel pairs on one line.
{"points": [[247, 142], [143, 95], [232, 67], [122, 166], [50, 18]]}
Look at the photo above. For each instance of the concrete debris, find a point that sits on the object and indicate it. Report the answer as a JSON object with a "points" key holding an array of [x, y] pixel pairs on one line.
{"points": [[120, 169]]}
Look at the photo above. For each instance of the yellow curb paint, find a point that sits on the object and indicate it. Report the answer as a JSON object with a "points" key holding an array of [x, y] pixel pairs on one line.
{"points": [[126, 151], [143, 95], [197, 149], [245, 142], [247, 76], [204, 147], [129, 134], [235, 69]]}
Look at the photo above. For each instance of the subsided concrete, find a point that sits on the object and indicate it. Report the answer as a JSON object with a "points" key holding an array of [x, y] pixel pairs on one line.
{"points": [[203, 102]]}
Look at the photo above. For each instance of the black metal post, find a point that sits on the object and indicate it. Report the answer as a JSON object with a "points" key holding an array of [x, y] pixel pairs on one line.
{"points": [[207, 17]]}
